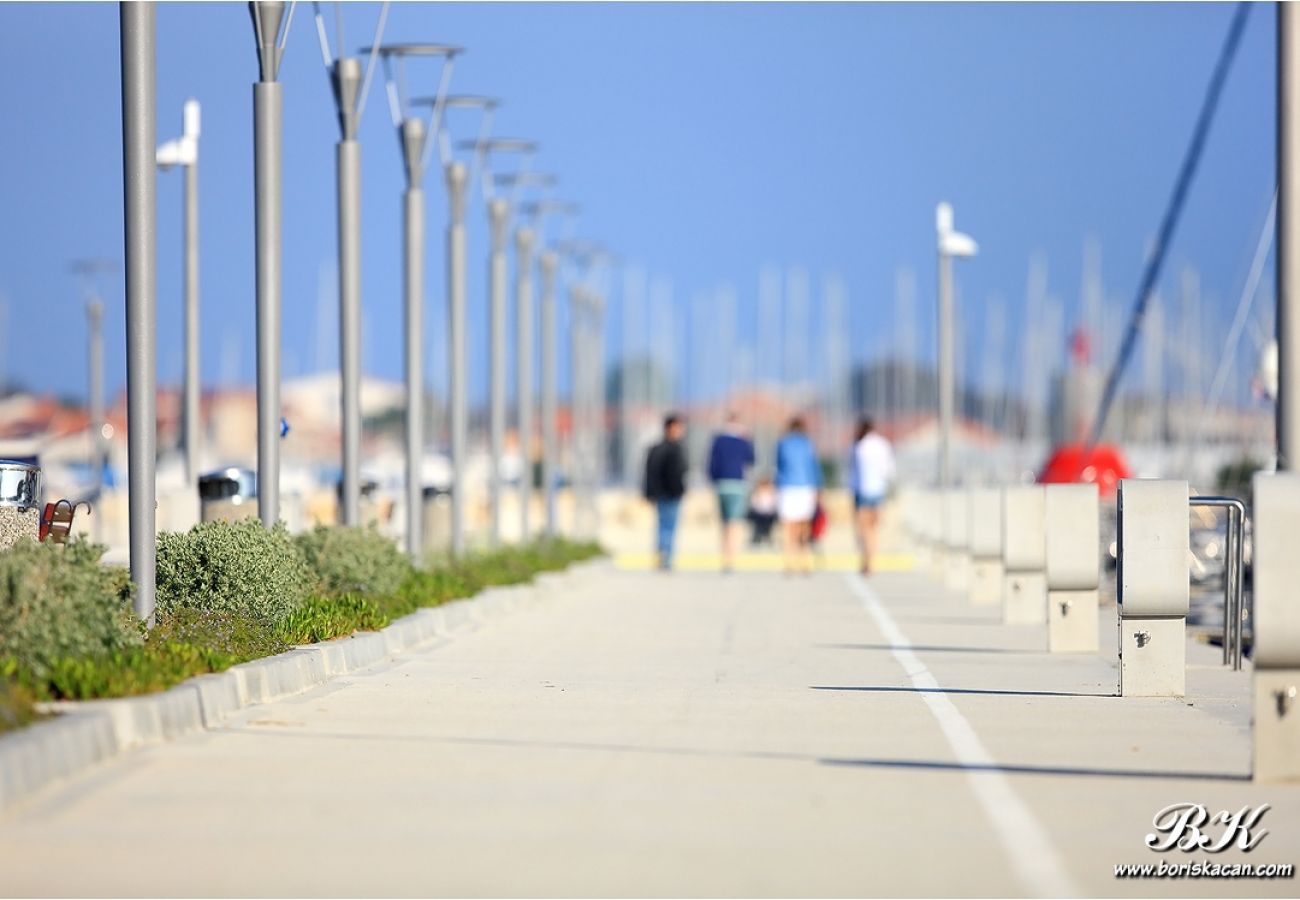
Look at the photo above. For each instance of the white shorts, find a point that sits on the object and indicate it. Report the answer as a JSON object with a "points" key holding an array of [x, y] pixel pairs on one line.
{"points": [[796, 504]]}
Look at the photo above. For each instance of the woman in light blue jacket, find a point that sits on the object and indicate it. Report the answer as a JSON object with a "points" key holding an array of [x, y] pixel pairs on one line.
{"points": [[798, 485]]}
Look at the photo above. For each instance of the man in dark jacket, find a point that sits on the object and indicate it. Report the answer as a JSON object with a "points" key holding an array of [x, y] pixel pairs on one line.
{"points": [[729, 457], [665, 483]]}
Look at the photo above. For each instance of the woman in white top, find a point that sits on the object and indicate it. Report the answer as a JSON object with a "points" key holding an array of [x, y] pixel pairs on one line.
{"points": [[873, 473]]}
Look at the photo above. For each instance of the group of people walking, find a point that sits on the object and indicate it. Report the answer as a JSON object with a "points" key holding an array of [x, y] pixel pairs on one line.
{"points": [[793, 496]]}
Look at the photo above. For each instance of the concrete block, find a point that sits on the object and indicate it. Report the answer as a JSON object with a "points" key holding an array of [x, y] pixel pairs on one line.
{"points": [[1277, 725], [1024, 541], [1153, 541], [1024, 598], [1152, 656], [1276, 570], [986, 582], [1072, 621], [984, 523], [1072, 514]]}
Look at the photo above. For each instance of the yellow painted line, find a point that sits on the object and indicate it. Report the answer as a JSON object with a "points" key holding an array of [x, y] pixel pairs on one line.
{"points": [[763, 562]]}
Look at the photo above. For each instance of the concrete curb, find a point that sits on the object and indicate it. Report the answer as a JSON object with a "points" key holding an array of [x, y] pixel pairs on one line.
{"points": [[89, 732]]}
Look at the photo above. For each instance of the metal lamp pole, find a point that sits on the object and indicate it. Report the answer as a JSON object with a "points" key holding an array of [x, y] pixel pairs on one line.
{"points": [[414, 139], [950, 244], [268, 126], [498, 210], [139, 137], [184, 152], [1288, 242], [88, 269], [548, 263]]}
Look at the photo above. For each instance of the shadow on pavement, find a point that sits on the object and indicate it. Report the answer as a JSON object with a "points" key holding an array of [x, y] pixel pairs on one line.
{"points": [[1012, 769], [890, 689], [927, 648]]}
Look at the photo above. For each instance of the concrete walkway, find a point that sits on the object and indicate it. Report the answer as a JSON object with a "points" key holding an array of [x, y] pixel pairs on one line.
{"points": [[687, 734]]}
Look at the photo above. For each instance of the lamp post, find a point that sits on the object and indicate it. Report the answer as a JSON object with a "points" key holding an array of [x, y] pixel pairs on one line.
{"points": [[139, 136], [184, 152], [88, 270], [415, 139], [525, 238], [950, 244], [498, 209], [350, 85], [457, 177], [270, 29]]}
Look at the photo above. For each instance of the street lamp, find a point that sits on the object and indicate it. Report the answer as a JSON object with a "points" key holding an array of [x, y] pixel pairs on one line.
{"points": [[271, 30], [88, 271], [951, 244], [415, 141], [137, 29], [548, 263], [498, 221], [184, 152], [525, 238], [457, 177], [350, 87]]}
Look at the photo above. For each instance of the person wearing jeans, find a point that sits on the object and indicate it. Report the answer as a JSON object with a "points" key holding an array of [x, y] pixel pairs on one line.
{"points": [[665, 484]]}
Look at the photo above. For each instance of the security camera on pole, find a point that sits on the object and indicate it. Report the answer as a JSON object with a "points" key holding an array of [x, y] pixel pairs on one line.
{"points": [[416, 140]]}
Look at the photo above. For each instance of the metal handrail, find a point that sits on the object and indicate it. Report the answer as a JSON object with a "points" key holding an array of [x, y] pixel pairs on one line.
{"points": [[1233, 574]]}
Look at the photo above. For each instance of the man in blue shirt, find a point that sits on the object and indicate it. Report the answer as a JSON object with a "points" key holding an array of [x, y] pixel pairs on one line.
{"points": [[729, 456]]}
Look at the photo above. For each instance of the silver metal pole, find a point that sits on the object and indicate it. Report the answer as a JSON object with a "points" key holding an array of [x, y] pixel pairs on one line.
{"points": [[498, 212], [1288, 240], [550, 445], [347, 80], [268, 119], [600, 458], [524, 373], [190, 410], [98, 451], [577, 407], [139, 133], [456, 179], [413, 137], [413, 221], [945, 370]]}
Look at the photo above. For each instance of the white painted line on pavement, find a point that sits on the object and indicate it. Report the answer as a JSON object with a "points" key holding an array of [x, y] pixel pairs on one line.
{"points": [[1025, 840]]}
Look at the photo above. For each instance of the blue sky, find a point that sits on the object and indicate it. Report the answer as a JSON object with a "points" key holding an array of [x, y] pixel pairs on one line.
{"points": [[702, 140]]}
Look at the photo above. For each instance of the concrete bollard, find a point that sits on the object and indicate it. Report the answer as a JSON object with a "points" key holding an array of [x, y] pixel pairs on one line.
{"points": [[1152, 585], [956, 540], [1024, 555], [1276, 627], [984, 525], [1072, 518]]}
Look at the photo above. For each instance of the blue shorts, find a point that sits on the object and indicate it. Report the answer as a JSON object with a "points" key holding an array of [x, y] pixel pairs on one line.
{"points": [[867, 501]]}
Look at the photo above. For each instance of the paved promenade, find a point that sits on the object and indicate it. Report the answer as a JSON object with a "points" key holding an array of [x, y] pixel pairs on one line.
{"points": [[686, 734]]}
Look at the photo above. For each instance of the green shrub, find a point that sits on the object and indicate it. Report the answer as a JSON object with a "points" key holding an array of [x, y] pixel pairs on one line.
{"points": [[16, 709], [330, 617], [233, 567], [58, 602], [353, 560]]}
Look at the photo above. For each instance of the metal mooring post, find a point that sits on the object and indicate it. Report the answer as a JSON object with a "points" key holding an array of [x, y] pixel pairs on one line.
{"points": [[1073, 536], [1024, 555], [1152, 587]]}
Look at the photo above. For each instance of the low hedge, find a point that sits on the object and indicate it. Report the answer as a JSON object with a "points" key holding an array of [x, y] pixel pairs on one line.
{"points": [[347, 560], [59, 602], [16, 707], [240, 568], [189, 640]]}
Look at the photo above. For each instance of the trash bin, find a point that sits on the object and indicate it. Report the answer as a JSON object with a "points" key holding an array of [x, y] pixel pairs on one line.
{"points": [[20, 502], [437, 520], [228, 495]]}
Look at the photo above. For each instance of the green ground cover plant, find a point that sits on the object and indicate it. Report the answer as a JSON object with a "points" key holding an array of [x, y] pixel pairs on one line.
{"points": [[221, 607]]}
